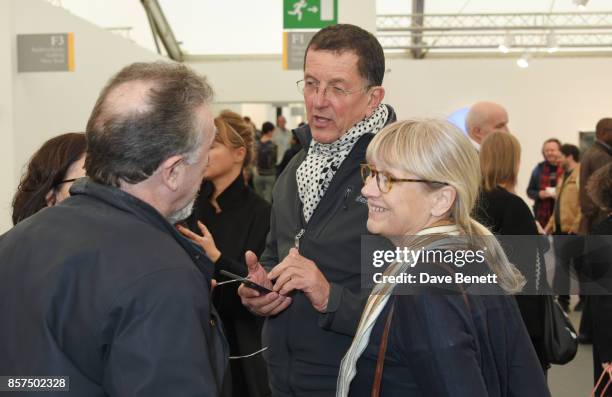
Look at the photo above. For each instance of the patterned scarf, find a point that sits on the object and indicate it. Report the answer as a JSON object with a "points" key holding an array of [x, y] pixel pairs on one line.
{"points": [[431, 238], [323, 160], [548, 178]]}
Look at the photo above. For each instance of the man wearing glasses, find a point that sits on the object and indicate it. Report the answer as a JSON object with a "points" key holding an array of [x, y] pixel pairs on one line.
{"points": [[312, 257]]}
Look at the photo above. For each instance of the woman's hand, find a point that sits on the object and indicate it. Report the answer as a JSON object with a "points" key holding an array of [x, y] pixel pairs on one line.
{"points": [[206, 240]]}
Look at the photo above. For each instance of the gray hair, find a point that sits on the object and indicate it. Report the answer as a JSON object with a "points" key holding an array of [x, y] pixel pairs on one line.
{"points": [[146, 113]]}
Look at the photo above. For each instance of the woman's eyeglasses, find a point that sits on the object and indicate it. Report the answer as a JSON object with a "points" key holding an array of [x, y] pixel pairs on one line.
{"points": [[385, 181]]}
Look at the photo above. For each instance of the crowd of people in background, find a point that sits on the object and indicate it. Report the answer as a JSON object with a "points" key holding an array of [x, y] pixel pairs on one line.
{"points": [[114, 286]]}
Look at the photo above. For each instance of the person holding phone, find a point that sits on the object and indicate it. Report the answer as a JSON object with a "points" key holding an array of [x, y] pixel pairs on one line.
{"points": [[318, 217]]}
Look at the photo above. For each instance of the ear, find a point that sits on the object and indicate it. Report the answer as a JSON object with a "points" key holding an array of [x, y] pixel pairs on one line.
{"points": [[172, 170], [443, 200], [51, 198], [239, 154], [377, 94]]}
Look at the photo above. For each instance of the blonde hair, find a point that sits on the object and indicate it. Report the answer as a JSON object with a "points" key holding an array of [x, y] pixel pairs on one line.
{"points": [[234, 132], [500, 154], [437, 150]]}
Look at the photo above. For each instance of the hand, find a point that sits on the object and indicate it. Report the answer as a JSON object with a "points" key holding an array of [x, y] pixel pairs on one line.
{"points": [[206, 240], [607, 367], [549, 229], [266, 305], [543, 194], [297, 272]]}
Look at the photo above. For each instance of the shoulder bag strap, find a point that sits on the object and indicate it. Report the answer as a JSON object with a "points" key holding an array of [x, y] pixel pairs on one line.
{"points": [[380, 361]]}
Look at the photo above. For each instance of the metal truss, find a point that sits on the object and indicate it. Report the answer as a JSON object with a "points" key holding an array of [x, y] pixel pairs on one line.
{"points": [[471, 22], [485, 32]]}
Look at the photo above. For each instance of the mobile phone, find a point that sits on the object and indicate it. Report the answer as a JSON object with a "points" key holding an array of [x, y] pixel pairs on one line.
{"points": [[247, 283]]}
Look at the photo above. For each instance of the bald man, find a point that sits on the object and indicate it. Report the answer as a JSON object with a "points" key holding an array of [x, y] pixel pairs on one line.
{"points": [[483, 119], [102, 288]]}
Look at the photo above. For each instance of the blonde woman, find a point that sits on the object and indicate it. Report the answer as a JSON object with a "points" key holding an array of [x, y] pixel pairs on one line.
{"points": [[505, 213], [421, 180], [230, 219]]}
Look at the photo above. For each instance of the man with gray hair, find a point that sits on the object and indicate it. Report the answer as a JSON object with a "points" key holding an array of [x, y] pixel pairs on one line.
{"points": [[483, 119], [102, 289]]}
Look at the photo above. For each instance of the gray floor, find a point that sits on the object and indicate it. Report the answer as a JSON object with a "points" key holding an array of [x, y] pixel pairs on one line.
{"points": [[574, 379]]}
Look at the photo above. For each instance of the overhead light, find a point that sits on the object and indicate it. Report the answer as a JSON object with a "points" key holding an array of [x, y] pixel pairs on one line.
{"points": [[506, 44], [551, 42], [523, 61], [581, 3]]}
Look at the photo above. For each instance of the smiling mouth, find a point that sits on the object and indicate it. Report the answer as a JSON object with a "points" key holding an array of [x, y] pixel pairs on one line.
{"points": [[374, 208]]}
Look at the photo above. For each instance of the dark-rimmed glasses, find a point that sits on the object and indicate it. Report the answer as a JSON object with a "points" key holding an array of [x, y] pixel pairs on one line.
{"points": [[385, 181]]}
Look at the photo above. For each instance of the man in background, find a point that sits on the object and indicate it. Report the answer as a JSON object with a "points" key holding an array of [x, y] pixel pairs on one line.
{"points": [[281, 138], [484, 118], [543, 181]]}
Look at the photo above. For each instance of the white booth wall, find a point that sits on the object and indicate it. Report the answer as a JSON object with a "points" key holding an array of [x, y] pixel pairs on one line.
{"points": [[37, 106]]}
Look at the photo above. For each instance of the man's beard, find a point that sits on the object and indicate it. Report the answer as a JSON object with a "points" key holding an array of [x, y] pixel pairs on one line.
{"points": [[181, 214]]}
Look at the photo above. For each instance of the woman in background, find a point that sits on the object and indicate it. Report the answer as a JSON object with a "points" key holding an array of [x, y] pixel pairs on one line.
{"points": [[50, 173], [505, 213], [233, 219], [421, 183]]}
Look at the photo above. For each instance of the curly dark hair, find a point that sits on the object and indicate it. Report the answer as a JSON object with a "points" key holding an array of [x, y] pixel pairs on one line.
{"points": [[599, 187], [46, 169]]}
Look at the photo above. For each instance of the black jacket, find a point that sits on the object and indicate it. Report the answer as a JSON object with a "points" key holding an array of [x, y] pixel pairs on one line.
{"points": [[507, 214], [305, 347], [101, 288], [599, 261], [439, 346], [241, 225]]}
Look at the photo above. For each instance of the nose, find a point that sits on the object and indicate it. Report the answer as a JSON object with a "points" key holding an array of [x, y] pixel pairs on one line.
{"points": [[370, 188], [320, 97]]}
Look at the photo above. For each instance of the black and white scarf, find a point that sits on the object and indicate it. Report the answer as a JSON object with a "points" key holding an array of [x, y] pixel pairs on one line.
{"points": [[323, 160]]}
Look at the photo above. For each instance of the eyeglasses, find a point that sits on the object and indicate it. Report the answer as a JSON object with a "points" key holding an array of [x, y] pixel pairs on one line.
{"points": [[65, 181], [309, 87], [385, 181]]}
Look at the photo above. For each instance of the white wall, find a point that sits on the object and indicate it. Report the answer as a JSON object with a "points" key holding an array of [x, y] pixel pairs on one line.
{"points": [[7, 149], [47, 104], [553, 97]]}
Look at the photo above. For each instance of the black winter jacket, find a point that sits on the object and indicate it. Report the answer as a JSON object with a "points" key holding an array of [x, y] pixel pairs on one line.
{"points": [[102, 289], [305, 347]]}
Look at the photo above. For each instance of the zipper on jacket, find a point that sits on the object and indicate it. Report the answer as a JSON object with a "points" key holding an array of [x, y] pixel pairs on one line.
{"points": [[348, 192], [298, 237]]}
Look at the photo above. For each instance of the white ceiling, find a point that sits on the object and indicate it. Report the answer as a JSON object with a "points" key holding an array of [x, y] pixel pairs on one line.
{"points": [[254, 27]]}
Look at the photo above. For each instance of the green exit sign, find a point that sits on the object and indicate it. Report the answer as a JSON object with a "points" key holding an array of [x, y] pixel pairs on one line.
{"points": [[309, 14]]}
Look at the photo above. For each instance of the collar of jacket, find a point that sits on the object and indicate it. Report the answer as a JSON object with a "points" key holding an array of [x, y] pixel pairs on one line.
{"points": [[117, 198], [604, 146], [232, 196], [304, 135]]}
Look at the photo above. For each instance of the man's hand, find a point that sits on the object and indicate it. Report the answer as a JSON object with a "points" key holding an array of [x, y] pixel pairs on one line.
{"points": [[297, 272], [266, 305], [543, 194]]}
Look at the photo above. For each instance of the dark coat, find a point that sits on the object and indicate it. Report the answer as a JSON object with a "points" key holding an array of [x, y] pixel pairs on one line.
{"points": [[101, 288], [439, 346], [594, 158], [242, 225], [599, 259], [305, 346], [505, 213]]}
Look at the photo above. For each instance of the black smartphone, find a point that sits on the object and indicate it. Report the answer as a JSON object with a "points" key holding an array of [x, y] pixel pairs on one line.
{"points": [[247, 283]]}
